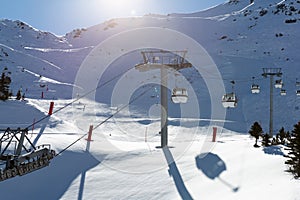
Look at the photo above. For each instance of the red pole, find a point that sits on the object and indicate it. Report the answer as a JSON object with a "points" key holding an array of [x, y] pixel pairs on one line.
{"points": [[214, 134], [90, 133], [51, 108]]}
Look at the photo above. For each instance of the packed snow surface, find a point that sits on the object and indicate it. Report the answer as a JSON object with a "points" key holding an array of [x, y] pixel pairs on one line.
{"points": [[123, 161]]}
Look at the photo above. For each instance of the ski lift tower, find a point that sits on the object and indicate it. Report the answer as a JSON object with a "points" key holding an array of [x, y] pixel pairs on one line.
{"points": [[163, 60], [271, 72]]}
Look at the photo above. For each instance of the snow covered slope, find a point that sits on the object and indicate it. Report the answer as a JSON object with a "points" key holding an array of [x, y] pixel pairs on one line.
{"points": [[123, 162], [123, 165], [241, 38]]}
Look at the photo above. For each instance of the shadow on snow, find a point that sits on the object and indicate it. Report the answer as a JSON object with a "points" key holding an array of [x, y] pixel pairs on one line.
{"points": [[212, 166], [273, 150], [50, 182], [174, 172]]}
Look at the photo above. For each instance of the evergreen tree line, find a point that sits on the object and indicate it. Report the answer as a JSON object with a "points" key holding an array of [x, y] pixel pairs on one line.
{"points": [[291, 141], [5, 81], [5, 92], [282, 137]]}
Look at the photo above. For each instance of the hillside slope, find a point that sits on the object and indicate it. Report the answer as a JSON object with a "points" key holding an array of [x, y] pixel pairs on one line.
{"points": [[241, 38], [123, 161]]}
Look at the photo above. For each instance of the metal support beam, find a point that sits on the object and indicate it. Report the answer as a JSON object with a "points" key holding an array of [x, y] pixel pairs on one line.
{"points": [[271, 107], [20, 145], [271, 72], [164, 106]]}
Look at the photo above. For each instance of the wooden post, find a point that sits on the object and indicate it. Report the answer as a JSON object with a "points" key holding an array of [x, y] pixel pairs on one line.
{"points": [[90, 134], [42, 96], [51, 108], [214, 134]]}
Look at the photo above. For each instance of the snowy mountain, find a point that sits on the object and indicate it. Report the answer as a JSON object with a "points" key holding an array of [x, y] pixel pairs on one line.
{"points": [[241, 38]]}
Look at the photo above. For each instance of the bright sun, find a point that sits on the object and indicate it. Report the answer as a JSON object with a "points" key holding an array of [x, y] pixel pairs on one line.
{"points": [[120, 7], [132, 12]]}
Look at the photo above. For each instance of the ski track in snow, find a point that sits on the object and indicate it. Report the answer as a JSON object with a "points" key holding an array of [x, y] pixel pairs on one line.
{"points": [[29, 55], [58, 50], [49, 80]]}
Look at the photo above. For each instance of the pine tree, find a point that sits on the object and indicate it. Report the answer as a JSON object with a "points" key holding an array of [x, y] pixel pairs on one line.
{"points": [[288, 135], [256, 131], [4, 87], [19, 95], [282, 136], [293, 146], [266, 140]]}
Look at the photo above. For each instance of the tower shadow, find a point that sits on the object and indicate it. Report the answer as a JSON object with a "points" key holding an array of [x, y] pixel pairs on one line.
{"points": [[43, 127], [174, 172]]}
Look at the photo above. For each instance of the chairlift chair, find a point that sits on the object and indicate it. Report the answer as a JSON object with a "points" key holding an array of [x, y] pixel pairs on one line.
{"points": [[19, 156], [298, 92], [255, 89], [179, 95], [229, 100], [282, 92], [156, 59], [278, 84]]}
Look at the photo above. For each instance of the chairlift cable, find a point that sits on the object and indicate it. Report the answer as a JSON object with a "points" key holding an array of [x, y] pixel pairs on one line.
{"points": [[101, 123], [77, 99], [108, 118], [67, 147]]}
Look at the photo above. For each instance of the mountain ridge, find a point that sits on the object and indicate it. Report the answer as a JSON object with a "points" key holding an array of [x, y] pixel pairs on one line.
{"points": [[242, 38]]}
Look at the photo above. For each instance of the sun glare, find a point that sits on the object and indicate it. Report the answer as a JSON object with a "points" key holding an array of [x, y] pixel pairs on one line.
{"points": [[133, 12], [120, 7]]}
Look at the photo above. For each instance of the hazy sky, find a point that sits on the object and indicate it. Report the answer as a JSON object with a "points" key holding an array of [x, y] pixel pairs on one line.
{"points": [[62, 16]]}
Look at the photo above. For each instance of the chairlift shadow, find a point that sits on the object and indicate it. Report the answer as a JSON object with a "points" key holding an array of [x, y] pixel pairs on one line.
{"points": [[56, 178], [212, 166]]}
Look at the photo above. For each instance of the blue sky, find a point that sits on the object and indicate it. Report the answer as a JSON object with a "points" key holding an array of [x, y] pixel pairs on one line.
{"points": [[62, 16]]}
